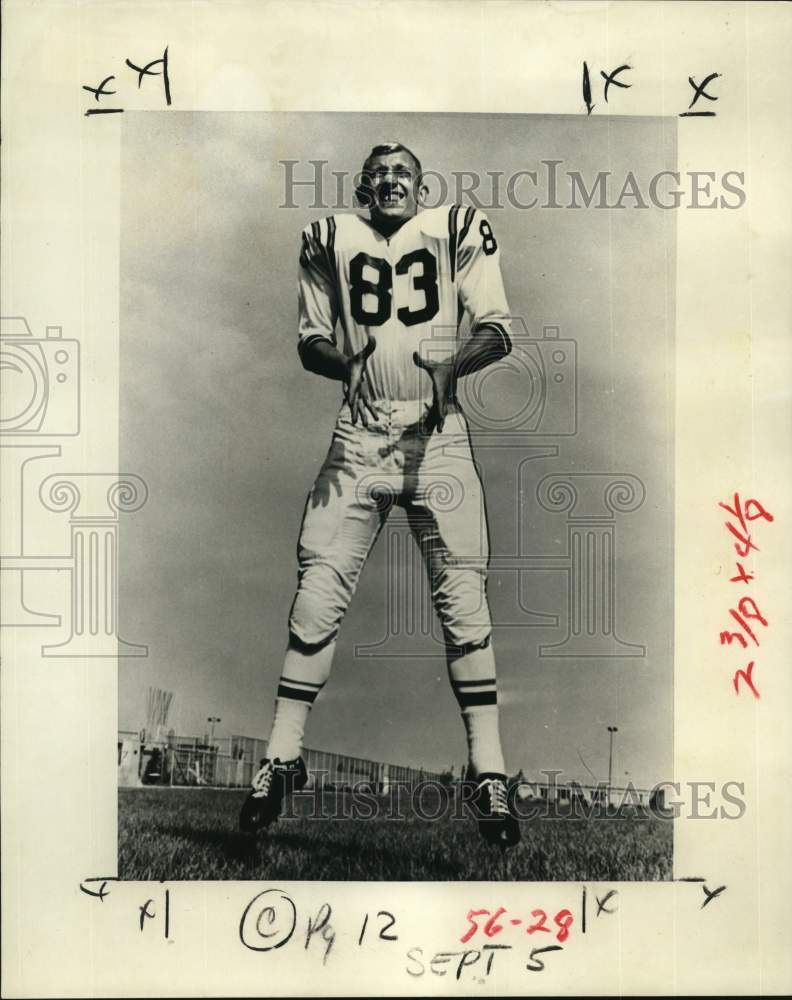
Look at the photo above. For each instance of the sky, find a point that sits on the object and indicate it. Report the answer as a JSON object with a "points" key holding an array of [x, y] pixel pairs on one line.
{"points": [[219, 418]]}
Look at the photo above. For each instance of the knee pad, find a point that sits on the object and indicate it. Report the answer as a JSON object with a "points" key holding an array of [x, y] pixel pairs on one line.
{"points": [[319, 605]]}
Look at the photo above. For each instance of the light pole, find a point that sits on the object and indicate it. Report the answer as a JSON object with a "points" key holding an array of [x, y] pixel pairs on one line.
{"points": [[611, 730], [212, 720]]}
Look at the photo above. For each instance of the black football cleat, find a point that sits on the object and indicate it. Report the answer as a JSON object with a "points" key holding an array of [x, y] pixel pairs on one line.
{"points": [[271, 784], [496, 823]]}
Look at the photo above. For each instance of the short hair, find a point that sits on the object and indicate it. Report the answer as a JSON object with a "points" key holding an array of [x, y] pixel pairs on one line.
{"points": [[363, 191]]}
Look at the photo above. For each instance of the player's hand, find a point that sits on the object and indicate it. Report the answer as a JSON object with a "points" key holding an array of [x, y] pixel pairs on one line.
{"points": [[443, 376], [357, 390]]}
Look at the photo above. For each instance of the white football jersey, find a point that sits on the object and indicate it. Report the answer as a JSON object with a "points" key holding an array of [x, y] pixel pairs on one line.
{"points": [[409, 290]]}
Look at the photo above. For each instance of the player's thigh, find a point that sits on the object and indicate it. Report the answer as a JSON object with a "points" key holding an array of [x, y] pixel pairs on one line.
{"points": [[341, 517], [454, 547], [448, 511]]}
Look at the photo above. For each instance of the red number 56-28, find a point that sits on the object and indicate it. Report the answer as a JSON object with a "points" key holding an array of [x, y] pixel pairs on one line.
{"points": [[563, 921]]}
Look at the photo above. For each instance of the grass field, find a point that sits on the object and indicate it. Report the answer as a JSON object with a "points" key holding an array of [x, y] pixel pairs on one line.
{"points": [[176, 834]]}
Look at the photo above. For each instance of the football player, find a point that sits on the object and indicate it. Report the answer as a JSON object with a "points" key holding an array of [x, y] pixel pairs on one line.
{"points": [[380, 304]]}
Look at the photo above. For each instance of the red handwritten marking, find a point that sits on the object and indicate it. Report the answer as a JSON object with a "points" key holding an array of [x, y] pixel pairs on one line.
{"points": [[540, 924], [563, 920], [745, 675], [742, 576], [743, 624], [491, 928], [754, 613], [751, 512], [471, 918], [743, 545], [760, 511], [727, 638], [743, 516], [747, 609]]}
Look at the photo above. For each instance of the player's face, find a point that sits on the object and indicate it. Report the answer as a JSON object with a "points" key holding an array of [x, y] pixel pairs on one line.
{"points": [[395, 183]]}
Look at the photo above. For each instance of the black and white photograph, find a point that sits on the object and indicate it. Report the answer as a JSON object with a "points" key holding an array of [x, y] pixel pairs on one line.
{"points": [[401, 391], [395, 459]]}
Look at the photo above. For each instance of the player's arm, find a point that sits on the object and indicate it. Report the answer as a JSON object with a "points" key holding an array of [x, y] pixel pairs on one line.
{"points": [[323, 358], [318, 315], [482, 295]]}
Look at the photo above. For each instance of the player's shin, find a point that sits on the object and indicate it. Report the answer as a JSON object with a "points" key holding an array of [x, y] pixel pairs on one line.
{"points": [[471, 670], [305, 670]]}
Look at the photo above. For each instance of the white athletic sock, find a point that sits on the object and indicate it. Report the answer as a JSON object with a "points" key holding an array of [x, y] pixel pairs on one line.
{"points": [[472, 676], [304, 675], [483, 736]]}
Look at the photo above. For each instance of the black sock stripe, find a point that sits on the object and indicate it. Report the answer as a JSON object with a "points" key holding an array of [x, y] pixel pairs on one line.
{"points": [[296, 694], [467, 684], [309, 684], [469, 700]]}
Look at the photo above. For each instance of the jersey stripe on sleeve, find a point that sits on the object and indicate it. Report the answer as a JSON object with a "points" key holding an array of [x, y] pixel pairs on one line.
{"points": [[466, 224], [318, 253], [452, 238], [331, 258]]}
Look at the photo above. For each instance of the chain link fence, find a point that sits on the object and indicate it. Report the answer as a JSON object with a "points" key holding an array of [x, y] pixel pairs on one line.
{"points": [[231, 762]]}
